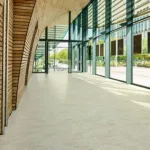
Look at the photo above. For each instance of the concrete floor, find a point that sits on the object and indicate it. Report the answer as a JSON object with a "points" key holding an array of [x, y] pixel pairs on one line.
{"points": [[79, 112]]}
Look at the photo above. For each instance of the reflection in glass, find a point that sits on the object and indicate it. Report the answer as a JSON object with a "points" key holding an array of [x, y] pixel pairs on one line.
{"points": [[39, 58], [76, 58], [89, 58], [118, 14], [141, 9], [118, 55], [100, 56], [141, 53], [101, 16]]}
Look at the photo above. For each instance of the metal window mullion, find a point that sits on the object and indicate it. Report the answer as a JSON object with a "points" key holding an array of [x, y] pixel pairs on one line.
{"points": [[69, 44], [107, 39], [46, 50], [129, 41], [55, 30], [94, 35], [84, 34]]}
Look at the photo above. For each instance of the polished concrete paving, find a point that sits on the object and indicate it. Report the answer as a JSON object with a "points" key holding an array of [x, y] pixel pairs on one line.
{"points": [[79, 112]]}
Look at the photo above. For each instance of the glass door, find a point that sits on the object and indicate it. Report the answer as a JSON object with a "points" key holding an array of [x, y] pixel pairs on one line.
{"points": [[58, 56]]}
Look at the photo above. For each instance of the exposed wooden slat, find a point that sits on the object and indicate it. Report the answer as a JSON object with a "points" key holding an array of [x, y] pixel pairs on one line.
{"points": [[10, 52]]}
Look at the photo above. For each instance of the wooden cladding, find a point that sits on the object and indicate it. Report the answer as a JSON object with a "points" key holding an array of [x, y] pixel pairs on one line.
{"points": [[10, 50], [21, 46]]}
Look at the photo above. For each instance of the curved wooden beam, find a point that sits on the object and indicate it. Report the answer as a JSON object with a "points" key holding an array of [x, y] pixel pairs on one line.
{"points": [[22, 18]]}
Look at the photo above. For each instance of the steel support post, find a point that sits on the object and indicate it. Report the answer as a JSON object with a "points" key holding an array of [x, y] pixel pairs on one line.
{"points": [[94, 58], [69, 45], [129, 42], [107, 39], [46, 50], [73, 47], [55, 49], [107, 56], [94, 35], [84, 34]]}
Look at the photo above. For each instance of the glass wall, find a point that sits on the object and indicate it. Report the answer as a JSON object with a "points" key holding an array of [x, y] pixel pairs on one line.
{"points": [[113, 19], [90, 21], [100, 56], [100, 40], [118, 55], [118, 14], [77, 46], [141, 43], [77, 58], [58, 56], [141, 53], [118, 40], [39, 58]]}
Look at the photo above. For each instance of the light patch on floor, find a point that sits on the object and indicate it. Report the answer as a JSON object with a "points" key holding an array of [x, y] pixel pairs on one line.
{"points": [[125, 90], [118, 93], [147, 105], [115, 87]]}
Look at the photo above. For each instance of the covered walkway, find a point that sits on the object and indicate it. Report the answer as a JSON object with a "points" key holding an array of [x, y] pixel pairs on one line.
{"points": [[79, 112]]}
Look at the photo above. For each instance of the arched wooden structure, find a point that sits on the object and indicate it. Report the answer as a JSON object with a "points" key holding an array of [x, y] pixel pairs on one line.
{"points": [[21, 24]]}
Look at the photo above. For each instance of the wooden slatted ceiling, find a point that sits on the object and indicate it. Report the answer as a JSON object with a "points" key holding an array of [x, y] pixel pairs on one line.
{"points": [[10, 49], [1, 51], [22, 16]]}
